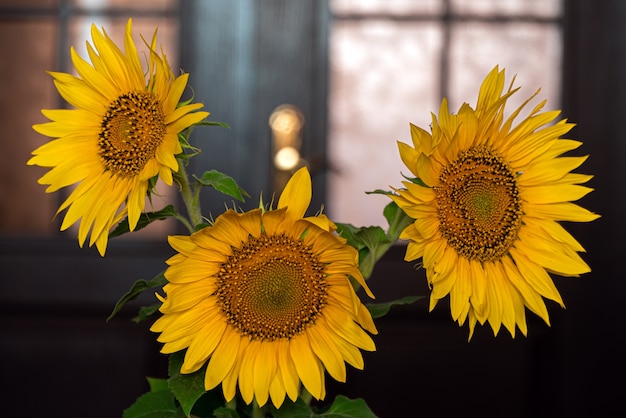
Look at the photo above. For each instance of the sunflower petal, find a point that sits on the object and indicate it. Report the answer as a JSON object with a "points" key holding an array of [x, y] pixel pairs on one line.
{"points": [[296, 195]]}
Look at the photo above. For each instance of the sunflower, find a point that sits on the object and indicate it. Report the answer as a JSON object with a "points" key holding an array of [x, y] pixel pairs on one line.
{"points": [[121, 134], [487, 200], [265, 299]]}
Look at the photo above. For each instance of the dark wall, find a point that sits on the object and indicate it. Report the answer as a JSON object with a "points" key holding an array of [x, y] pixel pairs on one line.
{"points": [[594, 97], [60, 357]]}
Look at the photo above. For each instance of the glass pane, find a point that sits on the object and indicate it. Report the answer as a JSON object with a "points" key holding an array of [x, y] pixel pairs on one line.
{"points": [[385, 6], [544, 8], [152, 5], [477, 48], [29, 46], [27, 4], [167, 36], [383, 75]]}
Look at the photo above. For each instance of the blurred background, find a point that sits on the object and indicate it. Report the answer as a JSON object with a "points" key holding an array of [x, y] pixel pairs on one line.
{"points": [[332, 84]]}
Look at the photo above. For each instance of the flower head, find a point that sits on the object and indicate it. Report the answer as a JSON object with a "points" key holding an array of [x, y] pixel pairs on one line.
{"points": [[122, 133], [487, 201], [264, 298]]}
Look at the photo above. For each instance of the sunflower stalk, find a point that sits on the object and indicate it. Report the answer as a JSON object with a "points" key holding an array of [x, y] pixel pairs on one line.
{"points": [[190, 198], [257, 411], [306, 396]]}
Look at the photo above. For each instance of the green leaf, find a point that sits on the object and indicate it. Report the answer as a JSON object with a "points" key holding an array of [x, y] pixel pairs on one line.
{"points": [[378, 310], [187, 388], [135, 290], [222, 183], [351, 234], [157, 384], [211, 404], [298, 409], [144, 220], [372, 236], [159, 404], [376, 241], [372, 242], [146, 312], [342, 407], [224, 412]]}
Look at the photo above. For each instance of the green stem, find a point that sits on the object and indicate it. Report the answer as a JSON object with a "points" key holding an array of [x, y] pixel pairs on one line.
{"points": [[306, 396], [190, 197], [257, 411], [232, 404], [184, 221]]}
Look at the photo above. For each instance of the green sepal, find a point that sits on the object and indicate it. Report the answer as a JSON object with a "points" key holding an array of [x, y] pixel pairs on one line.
{"points": [[222, 183], [380, 191], [183, 139], [415, 180], [146, 312], [213, 123], [378, 310], [136, 289], [200, 226], [187, 388], [342, 407], [157, 404], [144, 220], [188, 149]]}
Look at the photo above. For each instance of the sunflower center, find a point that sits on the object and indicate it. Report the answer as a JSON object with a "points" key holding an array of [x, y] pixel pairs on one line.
{"points": [[479, 207], [271, 288], [132, 129]]}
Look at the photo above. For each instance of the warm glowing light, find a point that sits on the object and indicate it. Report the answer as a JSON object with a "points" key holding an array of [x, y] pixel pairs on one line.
{"points": [[286, 158]]}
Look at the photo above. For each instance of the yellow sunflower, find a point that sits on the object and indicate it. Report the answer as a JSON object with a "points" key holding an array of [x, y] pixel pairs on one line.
{"points": [[264, 297], [487, 201], [122, 132]]}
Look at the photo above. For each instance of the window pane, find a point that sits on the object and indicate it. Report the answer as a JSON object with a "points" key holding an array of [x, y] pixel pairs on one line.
{"points": [[543, 8], [385, 6], [27, 49], [167, 36], [387, 73], [477, 48], [383, 76], [150, 5], [27, 4]]}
